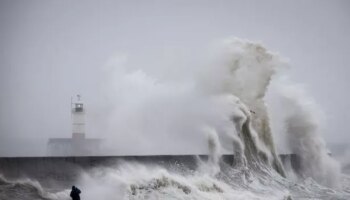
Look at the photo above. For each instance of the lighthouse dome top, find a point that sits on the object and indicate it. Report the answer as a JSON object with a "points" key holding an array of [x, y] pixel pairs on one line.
{"points": [[78, 99]]}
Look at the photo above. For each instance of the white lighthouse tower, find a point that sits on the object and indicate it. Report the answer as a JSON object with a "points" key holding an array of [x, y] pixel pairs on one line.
{"points": [[78, 145], [78, 119]]}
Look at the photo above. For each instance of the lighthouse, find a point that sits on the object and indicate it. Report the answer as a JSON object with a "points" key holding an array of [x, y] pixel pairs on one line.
{"points": [[78, 118], [78, 144]]}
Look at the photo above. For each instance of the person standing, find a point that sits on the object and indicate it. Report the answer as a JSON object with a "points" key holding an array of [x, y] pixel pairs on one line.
{"points": [[75, 193]]}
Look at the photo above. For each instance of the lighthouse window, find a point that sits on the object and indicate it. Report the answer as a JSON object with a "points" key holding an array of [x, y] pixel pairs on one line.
{"points": [[78, 107]]}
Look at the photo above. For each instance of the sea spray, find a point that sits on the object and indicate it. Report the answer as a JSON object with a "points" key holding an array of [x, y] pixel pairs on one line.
{"points": [[26, 188], [302, 125], [132, 180], [249, 68], [214, 151], [174, 109]]}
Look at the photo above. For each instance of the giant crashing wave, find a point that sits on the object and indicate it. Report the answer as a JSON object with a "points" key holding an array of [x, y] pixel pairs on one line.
{"points": [[257, 172]]}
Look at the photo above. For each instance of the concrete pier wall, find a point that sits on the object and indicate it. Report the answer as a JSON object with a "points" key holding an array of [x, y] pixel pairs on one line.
{"points": [[53, 171], [61, 171]]}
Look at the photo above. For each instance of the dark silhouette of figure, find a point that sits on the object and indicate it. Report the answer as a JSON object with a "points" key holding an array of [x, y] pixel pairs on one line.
{"points": [[75, 193]]}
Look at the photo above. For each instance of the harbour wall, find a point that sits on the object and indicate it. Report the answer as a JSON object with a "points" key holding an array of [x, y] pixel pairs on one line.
{"points": [[60, 171]]}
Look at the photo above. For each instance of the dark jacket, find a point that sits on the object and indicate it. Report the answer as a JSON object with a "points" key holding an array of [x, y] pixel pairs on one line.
{"points": [[75, 193]]}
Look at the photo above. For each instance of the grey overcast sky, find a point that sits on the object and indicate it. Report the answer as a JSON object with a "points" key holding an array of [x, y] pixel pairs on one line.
{"points": [[51, 50]]}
